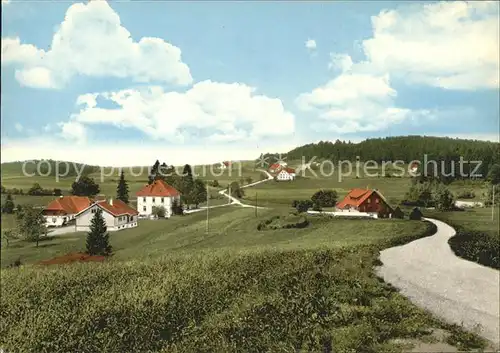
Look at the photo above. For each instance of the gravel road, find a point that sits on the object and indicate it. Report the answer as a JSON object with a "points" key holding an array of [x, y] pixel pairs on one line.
{"points": [[431, 276]]}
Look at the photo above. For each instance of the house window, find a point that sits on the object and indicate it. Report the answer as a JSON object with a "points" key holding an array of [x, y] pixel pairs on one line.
{"points": [[162, 200], [377, 201], [54, 220], [369, 200], [144, 199], [153, 200], [144, 208], [94, 210]]}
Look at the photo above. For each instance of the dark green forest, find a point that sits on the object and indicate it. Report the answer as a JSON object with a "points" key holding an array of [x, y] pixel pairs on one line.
{"points": [[404, 148]]}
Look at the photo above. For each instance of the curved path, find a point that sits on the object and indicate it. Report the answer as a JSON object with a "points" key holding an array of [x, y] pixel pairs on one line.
{"points": [[235, 201], [456, 290]]}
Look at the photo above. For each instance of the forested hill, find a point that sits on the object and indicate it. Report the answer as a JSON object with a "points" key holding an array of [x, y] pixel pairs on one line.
{"points": [[405, 148]]}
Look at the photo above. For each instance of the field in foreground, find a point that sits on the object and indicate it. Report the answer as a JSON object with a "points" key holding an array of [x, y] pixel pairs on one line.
{"points": [[172, 288]]}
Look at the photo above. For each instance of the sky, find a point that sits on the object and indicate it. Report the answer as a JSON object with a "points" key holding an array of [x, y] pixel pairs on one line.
{"points": [[128, 82]]}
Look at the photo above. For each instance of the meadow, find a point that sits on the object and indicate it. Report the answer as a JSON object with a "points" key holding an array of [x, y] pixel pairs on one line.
{"points": [[173, 286]]}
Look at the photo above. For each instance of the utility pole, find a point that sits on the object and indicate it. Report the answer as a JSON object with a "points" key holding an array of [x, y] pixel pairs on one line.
{"points": [[256, 204], [493, 203], [229, 195], [208, 208]]}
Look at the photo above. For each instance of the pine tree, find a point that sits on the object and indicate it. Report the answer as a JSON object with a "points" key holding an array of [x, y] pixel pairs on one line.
{"points": [[8, 206], [122, 189], [98, 237]]}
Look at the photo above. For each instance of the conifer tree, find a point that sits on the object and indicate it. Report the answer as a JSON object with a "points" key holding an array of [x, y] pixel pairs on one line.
{"points": [[8, 206], [98, 237], [122, 189]]}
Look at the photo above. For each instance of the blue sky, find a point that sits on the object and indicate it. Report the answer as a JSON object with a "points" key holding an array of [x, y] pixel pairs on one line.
{"points": [[109, 83]]}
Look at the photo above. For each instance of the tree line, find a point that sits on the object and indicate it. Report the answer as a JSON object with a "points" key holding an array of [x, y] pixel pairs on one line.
{"points": [[405, 148]]}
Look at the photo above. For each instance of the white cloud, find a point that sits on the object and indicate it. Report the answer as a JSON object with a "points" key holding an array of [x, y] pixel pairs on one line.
{"points": [[91, 41], [452, 45], [342, 62], [311, 44], [127, 154], [19, 127], [356, 102], [208, 111], [37, 77], [73, 131]]}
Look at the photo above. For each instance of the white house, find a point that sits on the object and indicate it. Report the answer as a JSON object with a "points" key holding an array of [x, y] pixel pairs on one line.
{"points": [[159, 193], [116, 213], [286, 174], [64, 209]]}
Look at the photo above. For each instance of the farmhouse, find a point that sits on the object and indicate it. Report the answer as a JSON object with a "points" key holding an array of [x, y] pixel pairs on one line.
{"points": [[276, 167], [286, 174], [159, 193], [116, 213], [224, 165], [64, 209], [365, 201]]}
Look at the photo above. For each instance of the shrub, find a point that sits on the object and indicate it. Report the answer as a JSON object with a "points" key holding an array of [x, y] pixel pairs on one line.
{"points": [[303, 205], [159, 211], [398, 213], [325, 198], [477, 246], [466, 194], [416, 214]]}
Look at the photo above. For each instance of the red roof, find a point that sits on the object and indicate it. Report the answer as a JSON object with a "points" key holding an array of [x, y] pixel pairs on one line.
{"points": [[227, 164], [158, 188], [118, 208], [289, 170], [355, 198], [69, 204], [275, 166]]}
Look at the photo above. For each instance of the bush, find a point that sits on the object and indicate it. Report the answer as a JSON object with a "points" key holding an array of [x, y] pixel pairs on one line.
{"points": [[416, 214], [466, 194], [476, 246], [325, 198], [303, 205], [158, 211], [398, 213]]}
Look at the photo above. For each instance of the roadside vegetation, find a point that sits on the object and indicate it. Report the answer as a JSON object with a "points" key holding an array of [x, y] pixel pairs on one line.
{"points": [[235, 289]]}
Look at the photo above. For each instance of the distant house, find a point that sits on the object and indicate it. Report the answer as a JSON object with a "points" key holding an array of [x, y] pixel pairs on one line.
{"points": [[159, 193], [64, 209], [274, 168], [286, 174], [365, 201], [224, 165], [414, 168], [116, 213]]}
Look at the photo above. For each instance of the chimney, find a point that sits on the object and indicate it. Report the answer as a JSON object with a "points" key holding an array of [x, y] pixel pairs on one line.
{"points": [[111, 201]]}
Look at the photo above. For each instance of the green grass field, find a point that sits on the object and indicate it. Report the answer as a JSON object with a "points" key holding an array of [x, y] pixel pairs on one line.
{"points": [[477, 219], [229, 227], [172, 287]]}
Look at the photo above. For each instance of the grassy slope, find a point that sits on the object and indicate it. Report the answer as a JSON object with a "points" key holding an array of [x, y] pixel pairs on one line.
{"points": [[235, 289], [233, 227]]}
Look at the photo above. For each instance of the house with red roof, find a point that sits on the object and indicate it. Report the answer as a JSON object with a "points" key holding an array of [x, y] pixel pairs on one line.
{"points": [[286, 174], [158, 193], [116, 213], [64, 209], [365, 201]]}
